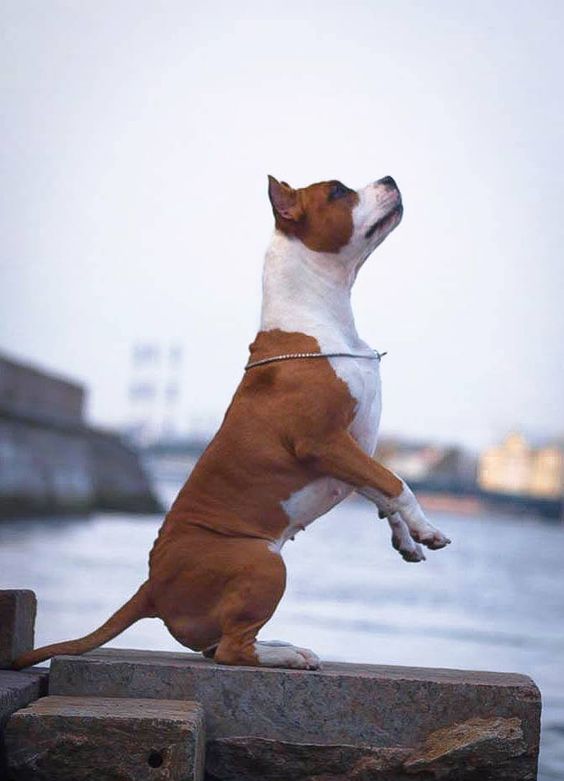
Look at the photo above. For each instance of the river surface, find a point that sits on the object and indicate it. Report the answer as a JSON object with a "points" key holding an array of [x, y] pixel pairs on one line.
{"points": [[494, 600]]}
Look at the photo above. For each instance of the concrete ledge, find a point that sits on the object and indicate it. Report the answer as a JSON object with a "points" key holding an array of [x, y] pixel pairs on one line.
{"points": [[387, 722]]}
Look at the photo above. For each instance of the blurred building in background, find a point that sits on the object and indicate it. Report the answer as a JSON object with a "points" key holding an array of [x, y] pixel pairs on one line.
{"points": [[516, 467], [51, 460], [445, 467], [27, 390], [513, 476]]}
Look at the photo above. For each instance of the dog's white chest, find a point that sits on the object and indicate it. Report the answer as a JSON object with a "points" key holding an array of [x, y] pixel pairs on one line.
{"points": [[362, 377]]}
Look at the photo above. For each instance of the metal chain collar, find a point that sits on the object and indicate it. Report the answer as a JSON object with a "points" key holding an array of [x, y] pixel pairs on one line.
{"points": [[291, 356]]}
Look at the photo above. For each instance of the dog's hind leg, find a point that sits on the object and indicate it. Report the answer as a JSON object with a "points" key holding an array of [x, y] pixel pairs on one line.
{"points": [[263, 654], [246, 605]]}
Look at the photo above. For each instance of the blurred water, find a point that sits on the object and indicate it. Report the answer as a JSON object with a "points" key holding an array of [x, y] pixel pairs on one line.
{"points": [[494, 600]]}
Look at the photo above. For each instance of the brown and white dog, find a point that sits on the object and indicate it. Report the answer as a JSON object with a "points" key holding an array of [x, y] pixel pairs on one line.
{"points": [[298, 437]]}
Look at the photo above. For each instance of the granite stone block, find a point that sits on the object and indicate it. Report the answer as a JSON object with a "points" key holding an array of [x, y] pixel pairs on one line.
{"points": [[484, 750], [242, 759], [16, 690], [82, 738], [20, 688], [17, 624]]}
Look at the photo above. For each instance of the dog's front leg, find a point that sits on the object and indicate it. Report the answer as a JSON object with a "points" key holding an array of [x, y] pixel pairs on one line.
{"points": [[340, 456]]}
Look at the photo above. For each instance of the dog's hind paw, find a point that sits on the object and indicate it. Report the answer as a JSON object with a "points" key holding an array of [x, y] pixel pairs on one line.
{"points": [[278, 654], [313, 661]]}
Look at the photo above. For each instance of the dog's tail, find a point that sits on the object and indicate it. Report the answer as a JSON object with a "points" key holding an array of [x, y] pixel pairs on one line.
{"points": [[139, 606]]}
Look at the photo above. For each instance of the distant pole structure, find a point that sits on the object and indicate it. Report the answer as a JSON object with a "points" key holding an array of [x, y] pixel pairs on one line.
{"points": [[143, 392], [171, 392], [154, 392]]}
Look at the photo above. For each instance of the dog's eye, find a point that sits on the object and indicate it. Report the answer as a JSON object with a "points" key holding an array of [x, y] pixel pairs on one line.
{"points": [[338, 190]]}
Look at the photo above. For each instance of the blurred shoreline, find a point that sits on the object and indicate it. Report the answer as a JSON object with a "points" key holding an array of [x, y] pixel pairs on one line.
{"points": [[172, 462]]}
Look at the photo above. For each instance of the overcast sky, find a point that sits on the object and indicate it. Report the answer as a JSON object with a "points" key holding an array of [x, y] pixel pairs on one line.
{"points": [[137, 137]]}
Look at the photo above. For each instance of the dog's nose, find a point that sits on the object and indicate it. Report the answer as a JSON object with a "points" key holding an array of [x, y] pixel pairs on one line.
{"points": [[388, 181]]}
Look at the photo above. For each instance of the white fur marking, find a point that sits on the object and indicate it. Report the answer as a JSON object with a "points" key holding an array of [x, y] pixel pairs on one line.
{"points": [[277, 654]]}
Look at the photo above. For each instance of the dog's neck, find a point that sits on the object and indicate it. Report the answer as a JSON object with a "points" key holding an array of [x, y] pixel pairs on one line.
{"points": [[309, 292]]}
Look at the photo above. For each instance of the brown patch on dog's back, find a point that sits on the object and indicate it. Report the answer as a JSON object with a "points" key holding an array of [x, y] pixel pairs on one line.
{"points": [[312, 214]]}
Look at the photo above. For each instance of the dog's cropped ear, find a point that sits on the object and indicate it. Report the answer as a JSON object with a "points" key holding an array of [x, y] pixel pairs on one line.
{"points": [[284, 200]]}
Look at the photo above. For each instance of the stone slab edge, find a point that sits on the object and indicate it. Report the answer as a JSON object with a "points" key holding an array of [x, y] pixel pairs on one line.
{"points": [[18, 608], [18, 689], [288, 704], [113, 737], [193, 660]]}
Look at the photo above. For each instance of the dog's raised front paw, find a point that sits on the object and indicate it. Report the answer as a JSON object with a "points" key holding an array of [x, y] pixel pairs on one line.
{"points": [[414, 555], [402, 540], [432, 538], [419, 527]]}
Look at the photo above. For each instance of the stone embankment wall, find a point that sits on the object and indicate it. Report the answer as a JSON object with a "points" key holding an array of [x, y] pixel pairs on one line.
{"points": [[51, 461]]}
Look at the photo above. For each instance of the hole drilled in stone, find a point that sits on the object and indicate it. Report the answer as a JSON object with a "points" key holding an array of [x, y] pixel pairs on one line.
{"points": [[155, 758]]}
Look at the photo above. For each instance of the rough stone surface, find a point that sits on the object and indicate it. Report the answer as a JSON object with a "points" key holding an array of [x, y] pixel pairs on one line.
{"points": [[240, 759], [17, 624], [476, 750], [16, 690], [474, 743], [441, 718], [79, 738], [20, 688]]}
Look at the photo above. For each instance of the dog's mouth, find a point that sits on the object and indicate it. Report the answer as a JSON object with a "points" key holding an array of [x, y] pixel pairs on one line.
{"points": [[384, 222]]}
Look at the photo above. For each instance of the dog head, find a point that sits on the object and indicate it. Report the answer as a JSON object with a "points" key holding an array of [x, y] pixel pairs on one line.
{"points": [[330, 218]]}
